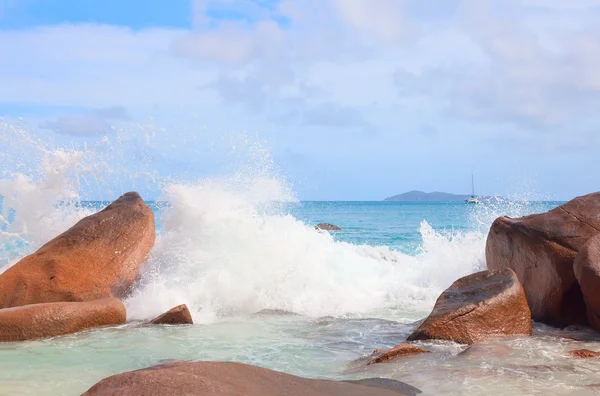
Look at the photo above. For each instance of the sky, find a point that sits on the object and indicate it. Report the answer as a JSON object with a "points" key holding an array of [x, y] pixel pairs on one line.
{"points": [[355, 99]]}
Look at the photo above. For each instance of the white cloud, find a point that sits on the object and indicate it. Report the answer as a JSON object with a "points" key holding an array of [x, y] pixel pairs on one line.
{"points": [[384, 19], [442, 82], [94, 66], [484, 60]]}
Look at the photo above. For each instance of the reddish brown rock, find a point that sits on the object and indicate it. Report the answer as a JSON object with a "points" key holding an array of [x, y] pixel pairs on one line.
{"points": [[587, 273], [541, 249], [584, 353], [100, 256], [52, 319], [379, 356], [223, 378], [481, 306], [175, 316]]}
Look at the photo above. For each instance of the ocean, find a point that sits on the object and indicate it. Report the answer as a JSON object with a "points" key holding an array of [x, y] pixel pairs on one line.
{"points": [[266, 288], [263, 285]]}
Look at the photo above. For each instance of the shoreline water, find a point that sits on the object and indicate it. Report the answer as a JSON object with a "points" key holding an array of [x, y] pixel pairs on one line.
{"points": [[324, 341]]}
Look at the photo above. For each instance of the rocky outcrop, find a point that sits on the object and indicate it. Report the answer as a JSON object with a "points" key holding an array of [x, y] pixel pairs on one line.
{"points": [[175, 316], [327, 227], [587, 273], [541, 249], [379, 356], [223, 378], [52, 319], [100, 256], [481, 306]]}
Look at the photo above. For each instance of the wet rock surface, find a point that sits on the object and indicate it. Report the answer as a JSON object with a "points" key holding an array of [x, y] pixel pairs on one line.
{"points": [[478, 307], [101, 256], [221, 378], [584, 353], [541, 249], [587, 272], [379, 356], [327, 227], [178, 315], [36, 321]]}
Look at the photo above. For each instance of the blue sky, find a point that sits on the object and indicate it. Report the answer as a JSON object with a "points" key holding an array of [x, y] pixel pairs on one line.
{"points": [[355, 99], [23, 14]]}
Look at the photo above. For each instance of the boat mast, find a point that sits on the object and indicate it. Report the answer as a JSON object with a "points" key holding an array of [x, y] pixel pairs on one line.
{"points": [[472, 185]]}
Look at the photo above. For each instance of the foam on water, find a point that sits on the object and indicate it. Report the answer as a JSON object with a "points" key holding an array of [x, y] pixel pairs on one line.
{"points": [[39, 189], [223, 254], [227, 247]]}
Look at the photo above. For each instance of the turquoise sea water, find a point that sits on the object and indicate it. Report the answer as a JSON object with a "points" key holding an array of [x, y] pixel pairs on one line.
{"points": [[266, 288], [397, 224], [392, 224]]}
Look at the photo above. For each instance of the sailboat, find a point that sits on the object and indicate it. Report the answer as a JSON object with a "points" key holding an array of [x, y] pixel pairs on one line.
{"points": [[472, 199]]}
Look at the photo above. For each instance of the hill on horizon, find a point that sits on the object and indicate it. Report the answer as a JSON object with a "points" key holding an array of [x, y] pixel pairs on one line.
{"points": [[420, 196]]}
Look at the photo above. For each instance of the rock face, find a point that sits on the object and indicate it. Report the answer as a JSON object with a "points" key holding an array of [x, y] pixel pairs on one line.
{"points": [[100, 256], [327, 227], [212, 379], [480, 306], [52, 319], [541, 249], [175, 316], [379, 356], [587, 273]]}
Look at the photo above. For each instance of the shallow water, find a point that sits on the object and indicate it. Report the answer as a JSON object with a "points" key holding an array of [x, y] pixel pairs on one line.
{"points": [[318, 348], [389, 238]]}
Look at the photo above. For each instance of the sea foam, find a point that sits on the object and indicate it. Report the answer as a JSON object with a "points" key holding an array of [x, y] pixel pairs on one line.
{"points": [[226, 246]]}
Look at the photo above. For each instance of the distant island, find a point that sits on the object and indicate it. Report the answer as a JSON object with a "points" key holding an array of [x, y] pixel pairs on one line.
{"points": [[420, 196]]}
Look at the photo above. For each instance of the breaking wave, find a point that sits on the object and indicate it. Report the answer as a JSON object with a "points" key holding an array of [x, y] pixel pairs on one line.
{"points": [[227, 245]]}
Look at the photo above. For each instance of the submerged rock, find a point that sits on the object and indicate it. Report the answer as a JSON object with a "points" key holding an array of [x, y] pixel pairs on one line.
{"points": [[387, 383], [541, 249], [379, 356], [327, 227], [100, 256], [274, 312], [587, 272], [226, 378], [481, 306], [584, 353], [53, 319], [175, 316]]}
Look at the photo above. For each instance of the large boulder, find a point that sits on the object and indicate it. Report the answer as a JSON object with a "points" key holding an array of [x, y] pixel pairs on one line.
{"points": [[175, 316], [587, 273], [541, 249], [100, 256], [478, 307], [224, 378], [52, 319]]}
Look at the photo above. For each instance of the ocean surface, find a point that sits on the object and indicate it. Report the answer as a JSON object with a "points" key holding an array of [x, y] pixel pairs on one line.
{"points": [[265, 287]]}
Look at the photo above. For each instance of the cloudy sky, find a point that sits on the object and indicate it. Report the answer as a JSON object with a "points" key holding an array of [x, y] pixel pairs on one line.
{"points": [[356, 99]]}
